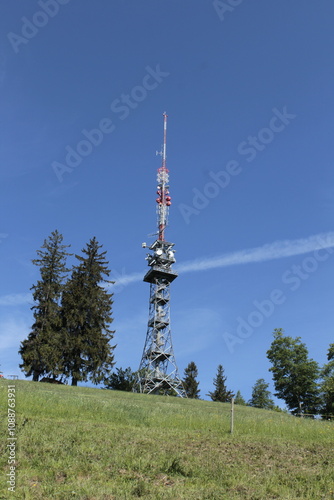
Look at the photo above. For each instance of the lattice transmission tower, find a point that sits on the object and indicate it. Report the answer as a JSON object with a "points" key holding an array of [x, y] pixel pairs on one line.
{"points": [[158, 372]]}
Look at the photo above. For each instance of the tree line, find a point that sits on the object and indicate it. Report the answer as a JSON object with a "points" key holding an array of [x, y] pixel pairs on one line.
{"points": [[126, 380], [299, 381], [70, 339]]}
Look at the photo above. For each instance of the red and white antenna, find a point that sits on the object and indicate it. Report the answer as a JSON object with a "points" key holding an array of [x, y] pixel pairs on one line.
{"points": [[164, 199]]}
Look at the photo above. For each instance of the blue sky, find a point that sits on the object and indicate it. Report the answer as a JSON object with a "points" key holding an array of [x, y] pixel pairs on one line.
{"points": [[248, 89]]}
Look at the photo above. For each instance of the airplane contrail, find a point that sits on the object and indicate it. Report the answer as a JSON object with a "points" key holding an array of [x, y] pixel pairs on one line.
{"points": [[269, 251], [16, 299]]}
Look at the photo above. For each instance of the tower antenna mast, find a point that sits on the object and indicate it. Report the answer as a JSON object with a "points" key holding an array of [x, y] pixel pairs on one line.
{"points": [[163, 200], [158, 372]]}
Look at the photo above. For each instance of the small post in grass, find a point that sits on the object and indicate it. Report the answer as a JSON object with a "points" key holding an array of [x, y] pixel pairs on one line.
{"points": [[232, 415]]}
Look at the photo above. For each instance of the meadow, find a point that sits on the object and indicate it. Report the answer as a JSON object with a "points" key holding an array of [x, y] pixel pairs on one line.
{"points": [[94, 444]]}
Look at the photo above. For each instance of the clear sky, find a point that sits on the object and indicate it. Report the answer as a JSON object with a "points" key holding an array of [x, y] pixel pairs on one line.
{"points": [[248, 89]]}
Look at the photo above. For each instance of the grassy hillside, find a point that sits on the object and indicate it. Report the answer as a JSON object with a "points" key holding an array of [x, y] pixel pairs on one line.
{"points": [[81, 443]]}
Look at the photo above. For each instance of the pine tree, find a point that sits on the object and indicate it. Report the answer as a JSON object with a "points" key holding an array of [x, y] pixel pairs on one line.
{"points": [[239, 400], [86, 315], [295, 375], [41, 351], [190, 383], [261, 396], [220, 393], [327, 385]]}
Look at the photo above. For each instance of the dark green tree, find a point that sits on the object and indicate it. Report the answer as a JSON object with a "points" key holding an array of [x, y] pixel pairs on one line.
{"points": [[295, 375], [327, 385], [86, 316], [261, 396], [220, 393], [41, 351], [190, 383], [122, 380], [239, 400]]}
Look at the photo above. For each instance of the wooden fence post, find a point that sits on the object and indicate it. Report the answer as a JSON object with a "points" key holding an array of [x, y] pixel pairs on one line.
{"points": [[232, 415]]}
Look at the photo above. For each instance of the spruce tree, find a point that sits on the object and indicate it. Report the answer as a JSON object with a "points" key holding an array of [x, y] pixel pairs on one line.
{"points": [[239, 400], [295, 375], [220, 393], [190, 383], [41, 351], [86, 315], [261, 396]]}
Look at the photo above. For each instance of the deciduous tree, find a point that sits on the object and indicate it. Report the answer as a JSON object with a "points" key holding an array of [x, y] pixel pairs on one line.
{"points": [[295, 375], [327, 385]]}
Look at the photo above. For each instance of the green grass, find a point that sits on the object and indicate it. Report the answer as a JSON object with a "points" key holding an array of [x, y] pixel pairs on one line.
{"points": [[92, 444]]}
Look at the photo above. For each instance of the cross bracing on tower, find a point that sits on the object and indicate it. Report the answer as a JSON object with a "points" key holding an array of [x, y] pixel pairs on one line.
{"points": [[158, 372]]}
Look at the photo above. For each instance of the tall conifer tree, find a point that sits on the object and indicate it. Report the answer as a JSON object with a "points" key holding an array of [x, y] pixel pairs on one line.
{"points": [[220, 393], [41, 350], [190, 383], [86, 315]]}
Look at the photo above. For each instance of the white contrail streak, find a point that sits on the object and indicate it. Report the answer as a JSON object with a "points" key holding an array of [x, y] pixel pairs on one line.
{"points": [[16, 299], [126, 279], [270, 251]]}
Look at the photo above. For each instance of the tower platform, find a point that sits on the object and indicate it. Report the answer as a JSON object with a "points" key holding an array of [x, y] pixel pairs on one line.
{"points": [[157, 272]]}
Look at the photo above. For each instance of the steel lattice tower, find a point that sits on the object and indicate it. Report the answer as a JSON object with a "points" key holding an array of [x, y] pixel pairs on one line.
{"points": [[158, 371]]}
